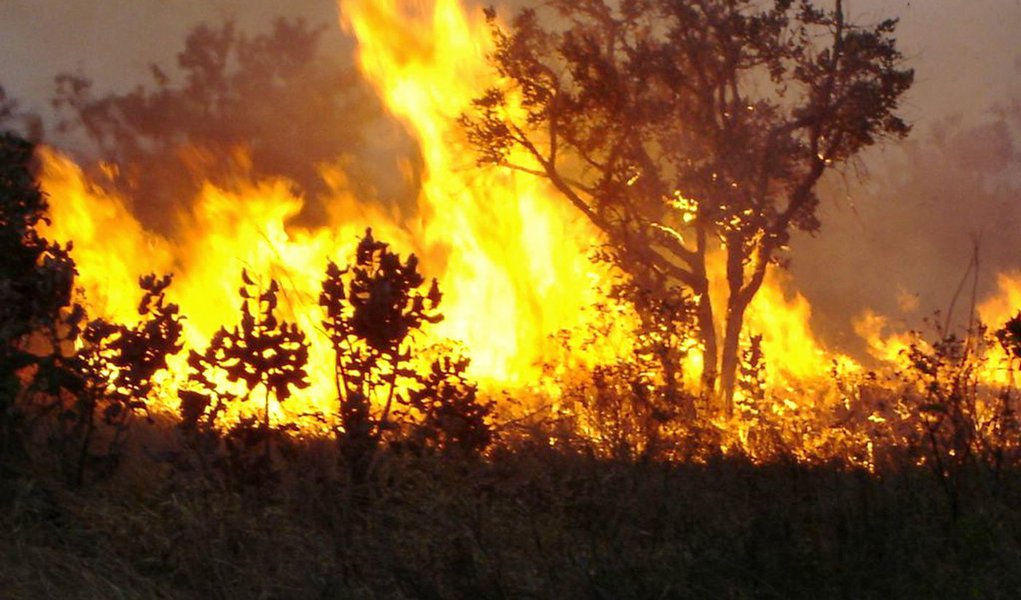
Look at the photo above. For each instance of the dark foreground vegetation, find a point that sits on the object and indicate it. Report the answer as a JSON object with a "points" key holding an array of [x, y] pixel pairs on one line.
{"points": [[527, 523], [414, 489]]}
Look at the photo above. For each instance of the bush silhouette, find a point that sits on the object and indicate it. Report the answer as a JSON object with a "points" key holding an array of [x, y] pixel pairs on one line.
{"points": [[453, 421], [1009, 337], [261, 353], [118, 365], [373, 310]]}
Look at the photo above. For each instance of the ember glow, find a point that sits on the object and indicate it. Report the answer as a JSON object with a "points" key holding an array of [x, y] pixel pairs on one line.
{"points": [[512, 259]]}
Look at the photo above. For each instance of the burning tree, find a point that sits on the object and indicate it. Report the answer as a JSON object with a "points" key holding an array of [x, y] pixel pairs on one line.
{"points": [[687, 130]]}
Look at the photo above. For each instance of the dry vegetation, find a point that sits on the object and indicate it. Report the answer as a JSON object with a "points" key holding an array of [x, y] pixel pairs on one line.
{"points": [[527, 522], [415, 483], [420, 491]]}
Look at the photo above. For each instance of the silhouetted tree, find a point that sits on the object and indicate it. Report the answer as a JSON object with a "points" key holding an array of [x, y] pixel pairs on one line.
{"points": [[682, 127], [452, 418], [373, 310], [119, 364], [261, 353], [36, 281]]}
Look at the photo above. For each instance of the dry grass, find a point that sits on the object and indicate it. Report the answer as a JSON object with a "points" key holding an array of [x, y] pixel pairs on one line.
{"points": [[527, 523]]}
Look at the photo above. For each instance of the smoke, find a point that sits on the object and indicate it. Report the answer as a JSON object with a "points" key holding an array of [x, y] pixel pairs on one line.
{"points": [[899, 238], [281, 89]]}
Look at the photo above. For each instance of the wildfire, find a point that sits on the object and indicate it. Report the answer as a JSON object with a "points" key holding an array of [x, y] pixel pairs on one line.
{"points": [[512, 259], [512, 262], [516, 259]]}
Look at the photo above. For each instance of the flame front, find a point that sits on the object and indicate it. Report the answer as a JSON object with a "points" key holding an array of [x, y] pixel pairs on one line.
{"points": [[516, 266], [512, 259]]}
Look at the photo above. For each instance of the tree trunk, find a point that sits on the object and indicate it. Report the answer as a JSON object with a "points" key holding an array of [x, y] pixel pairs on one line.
{"points": [[729, 356], [707, 331], [266, 427], [738, 297], [704, 312]]}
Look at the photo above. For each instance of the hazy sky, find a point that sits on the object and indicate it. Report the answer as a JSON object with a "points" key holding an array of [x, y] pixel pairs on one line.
{"points": [[906, 230], [115, 41], [965, 51]]}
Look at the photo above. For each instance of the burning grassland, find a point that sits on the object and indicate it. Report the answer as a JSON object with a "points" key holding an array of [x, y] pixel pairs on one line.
{"points": [[572, 363], [529, 295]]}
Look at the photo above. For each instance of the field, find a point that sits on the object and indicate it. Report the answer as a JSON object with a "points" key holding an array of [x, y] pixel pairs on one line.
{"points": [[527, 522]]}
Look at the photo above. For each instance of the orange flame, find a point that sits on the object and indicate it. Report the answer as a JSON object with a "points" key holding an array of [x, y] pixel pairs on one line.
{"points": [[511, 258], [516, 259], [512, 262]]}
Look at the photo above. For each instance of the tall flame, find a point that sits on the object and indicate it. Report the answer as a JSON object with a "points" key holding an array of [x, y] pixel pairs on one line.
{"points": [[516, 259], [511, 257], [511, 260]]}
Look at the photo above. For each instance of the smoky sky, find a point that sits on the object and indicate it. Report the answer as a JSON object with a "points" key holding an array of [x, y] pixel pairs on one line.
{"points": [[964, 50], [901, 223], [904, 224]]}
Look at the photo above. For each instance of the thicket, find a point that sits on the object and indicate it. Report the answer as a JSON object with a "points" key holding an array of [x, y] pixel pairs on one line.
{"points": [[71, 386], [630, 487], [74, 386]]}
